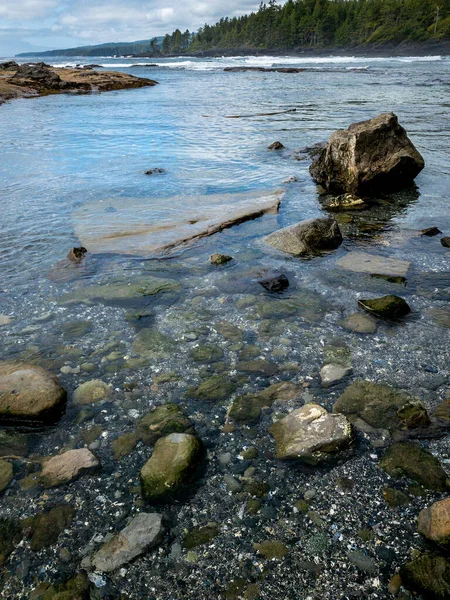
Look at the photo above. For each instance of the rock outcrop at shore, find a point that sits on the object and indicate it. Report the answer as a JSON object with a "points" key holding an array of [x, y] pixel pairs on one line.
{"points": [[368, 157], [39, 79]]}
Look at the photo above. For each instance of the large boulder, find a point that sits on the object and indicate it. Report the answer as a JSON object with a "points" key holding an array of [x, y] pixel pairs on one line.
{"points": [[311, 435], [368, 157], [307, 237], [29, 394], [144, 532], [174, 460]]}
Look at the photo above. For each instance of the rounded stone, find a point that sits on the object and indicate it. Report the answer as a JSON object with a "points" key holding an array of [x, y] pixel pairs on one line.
{"points": [[91, 392]]}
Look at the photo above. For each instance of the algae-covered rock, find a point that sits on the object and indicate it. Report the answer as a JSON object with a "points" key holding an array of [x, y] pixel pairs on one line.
{"points": [[91, 392], [311, 434], [201, 535], [230, 332], [246, 409], [29, 394], [162, 421], [125, 290], [172, 464], [13, 444], [6, 475], [76, 588], [414, 462], [306, 237], [386, 307], [124, 444], [47, 526], [395, 498], [10, 536], [207, 354], [434, 522], [381, 406], [144, 532], [151, 343], [271, 549], [220, 259], [215, 389], [429, 575], [261, 367]]}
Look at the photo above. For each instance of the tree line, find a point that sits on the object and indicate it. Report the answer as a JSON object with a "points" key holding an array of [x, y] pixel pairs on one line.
{"points": [[320, 23]]}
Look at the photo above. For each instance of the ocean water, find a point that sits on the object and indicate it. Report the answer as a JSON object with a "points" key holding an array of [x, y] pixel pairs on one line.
{"points": [[63, 156]]}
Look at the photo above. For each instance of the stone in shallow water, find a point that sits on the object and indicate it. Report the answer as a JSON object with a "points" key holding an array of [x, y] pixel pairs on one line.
{"points": [[434, 522], [162, 421], [306, 237], [333, 373], [135, 225], [49, 525], [274, 283], [414, 462], [220, 259], [29, 393], [215, 389], [387, 307], [361, 262], [272, 549], [151, 343], [172, 464], [10, 536], [208, 353], [66, 467], [429, 575], [445, 241], [201, 535], [6, 474], [5, 320], [311, 434], [263, 368], [441, 316], [144, 532], [91, 392], [381, 406]]}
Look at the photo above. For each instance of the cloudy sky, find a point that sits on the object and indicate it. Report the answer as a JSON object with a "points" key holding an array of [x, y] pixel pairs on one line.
{"points": [[27, 25]]}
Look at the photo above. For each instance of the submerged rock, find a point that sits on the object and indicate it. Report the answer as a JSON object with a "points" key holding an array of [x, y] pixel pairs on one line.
{"points": [[220, 259], [434, 522], [311, 434], [10, 536], [172, 464], [91, 392], [201, 535], [66, 467], [276, 146], [152, 344], [162, 421], [6, 474], [445, 241], [306, 237], [29, 394], [381, 406], [144, 532], [362, 262], [271, 549], [155, 171], [416, 463], [47, 526], [430, 231], [429, 575], [333, 373], [275, 283], [359, 323], [386, 307], [368, 157], [344, 203], [215, 389]]}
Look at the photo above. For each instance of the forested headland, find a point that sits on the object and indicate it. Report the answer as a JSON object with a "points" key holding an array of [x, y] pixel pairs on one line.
{"points": [[315, 24]]}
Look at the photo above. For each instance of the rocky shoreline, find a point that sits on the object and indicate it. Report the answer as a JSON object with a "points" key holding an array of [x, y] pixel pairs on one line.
{"points": [[230, 436], [38, 79]]}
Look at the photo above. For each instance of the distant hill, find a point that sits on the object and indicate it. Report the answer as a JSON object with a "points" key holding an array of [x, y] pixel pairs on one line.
{"points": [[110, 49]]}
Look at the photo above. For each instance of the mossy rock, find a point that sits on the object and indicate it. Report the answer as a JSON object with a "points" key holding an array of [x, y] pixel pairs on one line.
{"points": [[253, 506], [263, 368], [386, 307], [6, 475], [381, 406], [124, 445], [47, 526], [167, 378], [201, 535], [207, 354], [271, 549], [13, 444], [215, 389], [174, 460], [395, 498], [152, 344], [249, 351], [76, 588], [73, 330], [125, 290], [10, 536], [245, 409], [230, 332], [91, 392], [429, 575], [162, 421], [256, 488], [250, 454], [270, 328], [414, 462]]}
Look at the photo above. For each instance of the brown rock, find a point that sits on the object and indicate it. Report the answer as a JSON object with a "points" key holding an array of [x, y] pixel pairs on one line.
{"points": [[368, 157], [29, 393], [6, 474], [434, 522], [76, 255], [67, 467]]}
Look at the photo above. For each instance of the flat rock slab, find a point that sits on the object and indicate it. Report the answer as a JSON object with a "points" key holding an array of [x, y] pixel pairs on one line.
{"points": [[361, 262], [67, 467], [311, 434], [29, 393], [143, 226], [143, 533], [434, 522]]}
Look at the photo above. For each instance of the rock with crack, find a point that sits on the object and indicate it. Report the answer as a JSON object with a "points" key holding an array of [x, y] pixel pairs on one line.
{"points": [[144, 532], [311, 435], [368, 157], [29, 394], [307, 237]]}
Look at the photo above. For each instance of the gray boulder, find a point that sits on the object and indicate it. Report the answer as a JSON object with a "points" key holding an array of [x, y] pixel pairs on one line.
{"points": [[306, 237], [311, 434], [368, 157]]}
